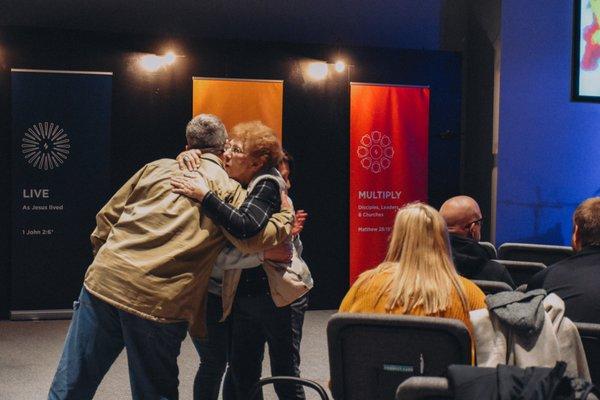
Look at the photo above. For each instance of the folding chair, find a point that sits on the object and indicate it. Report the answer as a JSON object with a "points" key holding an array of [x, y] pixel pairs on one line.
{"points": [[289, 379], [490, 248], [522, 288], [542, 253], [371, 354], [492, 287], [590, 337], [522, 271]]}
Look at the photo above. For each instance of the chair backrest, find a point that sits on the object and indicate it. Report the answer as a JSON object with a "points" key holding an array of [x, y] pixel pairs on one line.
{"points": [[590, 337], [521, 288], [371, 354], [542, 253], [521, 271], [490, 248], [424, 388], [492, 287]]}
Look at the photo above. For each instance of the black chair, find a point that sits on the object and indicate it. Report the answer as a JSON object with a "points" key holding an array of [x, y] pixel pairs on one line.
{"points": [[490, 248], [522, 271], [371, 354], [289, 379], [590, 337], [492, 287], [542, 253]]}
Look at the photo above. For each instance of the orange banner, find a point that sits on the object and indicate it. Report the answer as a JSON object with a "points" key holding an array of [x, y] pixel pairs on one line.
{"points": [[389, 128], [238, 100]]}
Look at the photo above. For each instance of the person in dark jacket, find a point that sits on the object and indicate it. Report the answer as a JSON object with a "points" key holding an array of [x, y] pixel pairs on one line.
{"points": [[463, 217], [576, 279], [507, 382]]}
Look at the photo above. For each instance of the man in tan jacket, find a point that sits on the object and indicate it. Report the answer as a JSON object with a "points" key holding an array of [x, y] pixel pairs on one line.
{"points": [[154, 251]]}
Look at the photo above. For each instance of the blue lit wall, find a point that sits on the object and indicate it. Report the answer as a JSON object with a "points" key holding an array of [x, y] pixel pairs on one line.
{"points": [[549, 149]]}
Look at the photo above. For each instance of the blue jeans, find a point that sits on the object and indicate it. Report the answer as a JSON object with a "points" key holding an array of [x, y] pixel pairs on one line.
{"points": [[97, 334], [213, 351]]}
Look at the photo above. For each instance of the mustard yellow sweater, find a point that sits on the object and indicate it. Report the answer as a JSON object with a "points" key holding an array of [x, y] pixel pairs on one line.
{"points": [[364, 297]]}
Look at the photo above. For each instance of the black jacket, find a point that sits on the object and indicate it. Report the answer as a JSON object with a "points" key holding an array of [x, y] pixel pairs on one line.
{"points": [[473, 262], [576, 280], [510, 382]]}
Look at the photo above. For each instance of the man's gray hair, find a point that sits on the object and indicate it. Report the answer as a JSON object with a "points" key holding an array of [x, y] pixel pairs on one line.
{"points": [[206, 132]]}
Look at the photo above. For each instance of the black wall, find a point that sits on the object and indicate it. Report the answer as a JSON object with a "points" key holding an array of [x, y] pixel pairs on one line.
{"points": [[478, 138], [150, 111]]}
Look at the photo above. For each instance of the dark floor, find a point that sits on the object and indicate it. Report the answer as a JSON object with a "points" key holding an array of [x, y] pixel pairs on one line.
{"points": [[29, 353]]}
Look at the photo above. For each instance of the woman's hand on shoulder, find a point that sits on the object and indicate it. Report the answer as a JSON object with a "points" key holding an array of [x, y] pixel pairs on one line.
{"points": [[192, 185]]}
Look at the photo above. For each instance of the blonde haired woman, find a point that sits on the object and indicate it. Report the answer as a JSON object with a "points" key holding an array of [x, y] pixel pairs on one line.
{"points": [[417, 276]]}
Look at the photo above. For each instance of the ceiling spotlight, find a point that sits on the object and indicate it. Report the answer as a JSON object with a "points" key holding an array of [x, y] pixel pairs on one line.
{"points": [[151, 62], [340, 66], [317, 70], [169, 57]]}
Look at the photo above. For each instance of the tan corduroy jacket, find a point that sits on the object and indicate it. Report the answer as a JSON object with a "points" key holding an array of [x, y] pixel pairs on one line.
{"points": [[154, 249]]}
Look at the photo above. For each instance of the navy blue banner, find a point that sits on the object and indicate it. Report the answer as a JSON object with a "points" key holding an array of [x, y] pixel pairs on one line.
{"points": [[60, 179]]}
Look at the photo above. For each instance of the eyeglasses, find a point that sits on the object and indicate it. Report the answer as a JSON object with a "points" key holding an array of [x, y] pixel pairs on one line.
{"points": [[233, 148], [476, 222]]}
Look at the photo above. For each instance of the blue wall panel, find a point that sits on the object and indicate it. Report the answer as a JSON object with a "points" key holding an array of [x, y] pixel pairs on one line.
{"points": [[549, 149]]}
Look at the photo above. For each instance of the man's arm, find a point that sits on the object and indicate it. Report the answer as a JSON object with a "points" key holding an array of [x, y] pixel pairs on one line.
{"points": [[252, 216], [277, 230], [110, 213], [231, 258]]}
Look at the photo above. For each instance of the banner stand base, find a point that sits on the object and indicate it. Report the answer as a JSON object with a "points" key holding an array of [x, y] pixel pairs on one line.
{"points": [[38, 315]]}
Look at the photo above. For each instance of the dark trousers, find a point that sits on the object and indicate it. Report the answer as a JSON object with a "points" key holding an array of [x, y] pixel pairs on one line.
{"points": [[213, 351], [97, 334], [256, 321]]}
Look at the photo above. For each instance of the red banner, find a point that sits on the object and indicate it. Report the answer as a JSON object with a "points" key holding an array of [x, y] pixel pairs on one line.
{"points": [[389, 127]]}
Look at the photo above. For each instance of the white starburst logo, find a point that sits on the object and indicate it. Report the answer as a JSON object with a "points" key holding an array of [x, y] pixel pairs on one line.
{"points": [[375, 151], [45, 146]]}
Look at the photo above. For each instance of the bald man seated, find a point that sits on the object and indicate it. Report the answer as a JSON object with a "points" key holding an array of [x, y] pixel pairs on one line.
{"points": [[463, 217]]}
